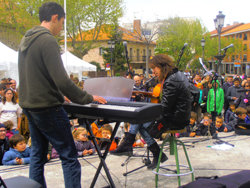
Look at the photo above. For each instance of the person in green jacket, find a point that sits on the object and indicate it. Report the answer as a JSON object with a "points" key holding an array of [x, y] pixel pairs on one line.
{"points": [[219, 101]]}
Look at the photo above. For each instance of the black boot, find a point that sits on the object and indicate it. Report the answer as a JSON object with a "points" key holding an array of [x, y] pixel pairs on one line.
{"points": [[126, 147], [155, 149]]}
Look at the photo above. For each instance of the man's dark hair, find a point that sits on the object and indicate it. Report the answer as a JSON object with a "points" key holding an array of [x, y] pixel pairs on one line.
{"points": [[47, 10], [237, 80], [15, 139]]}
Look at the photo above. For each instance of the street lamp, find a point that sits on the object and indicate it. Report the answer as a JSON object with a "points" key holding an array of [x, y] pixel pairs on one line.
{"points": [[111, 47], [203, 45], [219, 23]]}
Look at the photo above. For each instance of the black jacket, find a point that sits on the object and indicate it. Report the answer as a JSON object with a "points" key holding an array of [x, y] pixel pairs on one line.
{"points": [[4, 146], [176, 100]]}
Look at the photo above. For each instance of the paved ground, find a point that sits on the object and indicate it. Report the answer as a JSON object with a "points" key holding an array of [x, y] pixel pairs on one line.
{"points": [[205, 160]]}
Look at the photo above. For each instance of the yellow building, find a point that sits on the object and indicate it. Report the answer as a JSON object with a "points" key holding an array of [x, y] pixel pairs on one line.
{"points": [[136, 45], [237, 63]]}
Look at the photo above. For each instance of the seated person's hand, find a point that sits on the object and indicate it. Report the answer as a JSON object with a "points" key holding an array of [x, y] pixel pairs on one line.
{"points": [[225, 130], [90, 151], [48, 156], [85, 152], [19, 161], [192, 134], [217, 132]]}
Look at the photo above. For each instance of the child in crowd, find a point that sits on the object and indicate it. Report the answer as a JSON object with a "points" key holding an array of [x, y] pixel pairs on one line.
{"points": [[49, 149], [192, 127], [247, 120], [83, 145], [206, 128], [9, 126], [241, 114], [230, 112], [106, 133], [220, 127], [18, 154]]}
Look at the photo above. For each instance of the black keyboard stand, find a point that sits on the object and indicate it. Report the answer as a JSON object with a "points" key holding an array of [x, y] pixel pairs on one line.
{"points": [[101, 156]]}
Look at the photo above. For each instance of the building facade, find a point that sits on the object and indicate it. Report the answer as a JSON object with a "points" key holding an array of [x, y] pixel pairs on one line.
{"points": [[237, 63]]}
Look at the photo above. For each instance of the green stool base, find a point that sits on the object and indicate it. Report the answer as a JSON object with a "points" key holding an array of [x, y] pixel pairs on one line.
{"points": [[173, 151]]}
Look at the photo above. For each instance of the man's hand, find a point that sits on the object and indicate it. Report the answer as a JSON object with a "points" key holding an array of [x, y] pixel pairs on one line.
{"points": [[85, 152], [99, 99]]}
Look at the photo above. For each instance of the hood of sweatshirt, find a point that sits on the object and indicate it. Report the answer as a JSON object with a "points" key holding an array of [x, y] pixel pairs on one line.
{"points": [[217, 81], [31, 35]]}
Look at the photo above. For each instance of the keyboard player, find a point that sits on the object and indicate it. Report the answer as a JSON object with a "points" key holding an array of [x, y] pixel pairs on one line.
{"points": [[43, 82], [176, 104]]}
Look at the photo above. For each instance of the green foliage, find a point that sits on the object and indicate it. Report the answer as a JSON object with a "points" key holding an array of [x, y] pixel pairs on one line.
{"points": [[118, 59], [81, 16], [177, 31], [98, 66]]}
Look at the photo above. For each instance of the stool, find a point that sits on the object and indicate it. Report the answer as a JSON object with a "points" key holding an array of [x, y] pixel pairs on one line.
{"points": [[173, 151]]}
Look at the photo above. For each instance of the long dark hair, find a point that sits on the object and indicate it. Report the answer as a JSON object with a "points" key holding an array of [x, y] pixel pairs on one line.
{"points": [[164, 62], [13, 98]]}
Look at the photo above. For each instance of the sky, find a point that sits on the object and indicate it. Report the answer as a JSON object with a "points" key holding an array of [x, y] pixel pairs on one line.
{"points": [[204, 10]]}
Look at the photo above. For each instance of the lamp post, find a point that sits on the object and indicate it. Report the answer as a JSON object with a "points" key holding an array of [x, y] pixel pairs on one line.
{"points": [[203, 45], [219, 23], [111, 47]]}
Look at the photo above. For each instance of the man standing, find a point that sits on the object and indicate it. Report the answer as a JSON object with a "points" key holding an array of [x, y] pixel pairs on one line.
{"points": [[4, 142], [43, 82]]}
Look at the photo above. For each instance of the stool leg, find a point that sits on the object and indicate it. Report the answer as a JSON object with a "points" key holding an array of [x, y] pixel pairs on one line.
{"points": [[159, 161], [186, 154], [177, 161]]}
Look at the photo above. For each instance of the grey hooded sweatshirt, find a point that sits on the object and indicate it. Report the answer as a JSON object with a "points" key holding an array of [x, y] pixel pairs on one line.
{"points": [[42, 78]]}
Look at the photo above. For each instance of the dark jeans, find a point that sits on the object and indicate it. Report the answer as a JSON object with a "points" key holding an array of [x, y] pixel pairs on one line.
{"points": [[52, 125]]}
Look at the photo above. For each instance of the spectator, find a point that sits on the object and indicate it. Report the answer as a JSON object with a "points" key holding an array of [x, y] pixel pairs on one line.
{"points": [[13, 85], [4, 142], [218, 101], [83, 145], [106, 133], [247, 119], [2, 89], [10, 110], [225, 87], [192, 127], [232, 92], [204, 96], [241, 114], [206, 128], [220, 127], [18, 153], [244, 97], [9, 126], [230, 112]]}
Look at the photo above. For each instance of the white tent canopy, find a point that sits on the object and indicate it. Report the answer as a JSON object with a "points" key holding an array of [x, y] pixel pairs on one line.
{"points": [[74, 64], [8, 62]]}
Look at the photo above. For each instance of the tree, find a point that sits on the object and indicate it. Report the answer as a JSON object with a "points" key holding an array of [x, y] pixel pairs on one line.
{"points": [[177, 31], [81, 16], [115, 56]]}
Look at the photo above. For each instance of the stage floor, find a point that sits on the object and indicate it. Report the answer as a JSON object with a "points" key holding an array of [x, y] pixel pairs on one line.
{"points": [[206, 161]]}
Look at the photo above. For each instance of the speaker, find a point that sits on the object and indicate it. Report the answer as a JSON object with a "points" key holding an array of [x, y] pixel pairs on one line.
{"points": [[19, 182]]}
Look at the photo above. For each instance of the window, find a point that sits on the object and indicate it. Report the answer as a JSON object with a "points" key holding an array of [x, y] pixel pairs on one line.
{"points": [[233, 58], [138, 54], [227, 68], [144, 55], [245, 57], [150, 53], [245, 47], [130, 53], [240, 35], [245, 36], [232, 69], [100, 51]]}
